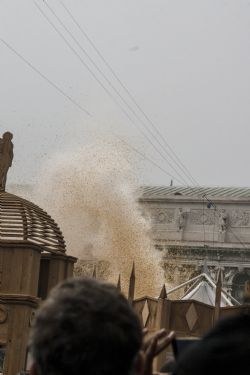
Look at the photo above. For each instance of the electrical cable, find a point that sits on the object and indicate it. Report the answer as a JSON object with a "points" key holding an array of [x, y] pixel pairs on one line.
{"points": [[44, 77], [116, 101], [112, 86], [183, 167], [144, 114], [106, 90], [12, 49], [86, 112], [148, 159]]}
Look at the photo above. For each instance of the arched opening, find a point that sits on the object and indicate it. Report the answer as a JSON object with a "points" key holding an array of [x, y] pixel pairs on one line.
{"points": [[238, 285]]}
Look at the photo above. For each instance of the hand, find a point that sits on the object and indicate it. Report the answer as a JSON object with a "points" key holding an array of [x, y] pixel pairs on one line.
{"points": [[154, 346]]}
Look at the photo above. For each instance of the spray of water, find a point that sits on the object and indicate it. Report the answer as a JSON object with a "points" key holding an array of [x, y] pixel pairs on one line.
{"points": [[91, 193]]}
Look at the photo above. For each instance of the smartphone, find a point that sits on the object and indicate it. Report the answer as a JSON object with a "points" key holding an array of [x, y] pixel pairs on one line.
{"points": [[179, 345]]}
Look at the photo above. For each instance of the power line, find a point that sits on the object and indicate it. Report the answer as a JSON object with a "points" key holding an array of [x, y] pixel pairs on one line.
{"points": [[12, 49], [148, 159], [106, 90], [130, 95], [183, 167], [177, 159], [113, 88], [116, 100]]}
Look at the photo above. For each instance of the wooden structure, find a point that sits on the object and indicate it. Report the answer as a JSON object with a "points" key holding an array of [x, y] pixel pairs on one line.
{"points": [[32, 260], [188, 318]]}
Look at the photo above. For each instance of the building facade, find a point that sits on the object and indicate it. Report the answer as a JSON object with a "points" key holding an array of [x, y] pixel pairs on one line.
{"points": [[193, 227]]}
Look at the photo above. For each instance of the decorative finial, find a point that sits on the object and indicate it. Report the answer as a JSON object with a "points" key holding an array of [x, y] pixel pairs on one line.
{"points": [[132, 275], [6, 157], [131, 288], [119, 283], [94, 272], [163, 294], [218, 296]]}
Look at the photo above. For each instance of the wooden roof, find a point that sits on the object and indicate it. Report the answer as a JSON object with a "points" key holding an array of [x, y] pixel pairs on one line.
{"points": [[23, 221]]}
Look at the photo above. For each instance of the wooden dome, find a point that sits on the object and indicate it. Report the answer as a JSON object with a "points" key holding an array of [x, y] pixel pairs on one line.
{"points": [[23, 221]]}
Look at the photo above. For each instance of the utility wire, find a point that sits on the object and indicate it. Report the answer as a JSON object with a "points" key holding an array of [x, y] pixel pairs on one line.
{"points": [[180, 165], [125, 112], [148, 159], [12, 49], [107, 91], [130, 95], [175, 159], [115, 90], [57, 88]]}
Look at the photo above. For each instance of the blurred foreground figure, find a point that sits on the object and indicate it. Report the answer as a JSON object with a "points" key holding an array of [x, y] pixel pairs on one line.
{"points": [[88, 327], [224, 350], [85, 327]]}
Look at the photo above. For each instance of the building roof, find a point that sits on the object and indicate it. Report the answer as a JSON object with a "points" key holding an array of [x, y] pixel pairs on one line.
{"points": [[164, 192], [204, 292], [23, 221], [203, 289]]}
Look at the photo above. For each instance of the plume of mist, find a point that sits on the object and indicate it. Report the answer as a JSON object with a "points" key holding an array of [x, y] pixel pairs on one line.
{"points": [[91, 193]]}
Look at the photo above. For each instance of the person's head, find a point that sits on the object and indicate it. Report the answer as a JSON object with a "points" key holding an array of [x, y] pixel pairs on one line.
{"points": [[224, 350], [85, 327], [7, 136]]}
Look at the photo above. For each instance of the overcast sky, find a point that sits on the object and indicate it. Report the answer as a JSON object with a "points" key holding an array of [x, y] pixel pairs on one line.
{"points": [[186, 62]]}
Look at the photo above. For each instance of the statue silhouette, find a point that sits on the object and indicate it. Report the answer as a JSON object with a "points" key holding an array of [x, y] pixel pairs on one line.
{"points": [[6, 157]]}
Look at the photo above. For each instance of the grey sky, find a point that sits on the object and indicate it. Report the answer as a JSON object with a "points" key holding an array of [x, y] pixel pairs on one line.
{"points": [[186, 62]]}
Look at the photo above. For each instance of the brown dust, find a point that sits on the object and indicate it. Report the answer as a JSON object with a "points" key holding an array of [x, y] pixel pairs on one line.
{"points": [[91, 193]]}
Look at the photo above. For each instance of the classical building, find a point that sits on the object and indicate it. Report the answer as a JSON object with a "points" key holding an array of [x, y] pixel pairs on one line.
{"points": [[193, 226]]}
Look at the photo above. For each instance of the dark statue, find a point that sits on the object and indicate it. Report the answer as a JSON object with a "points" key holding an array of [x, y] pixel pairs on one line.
{"points": [[6, 157]]}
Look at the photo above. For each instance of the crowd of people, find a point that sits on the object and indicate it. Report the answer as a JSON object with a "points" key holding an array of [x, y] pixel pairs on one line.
{"points": [[88, 327]]}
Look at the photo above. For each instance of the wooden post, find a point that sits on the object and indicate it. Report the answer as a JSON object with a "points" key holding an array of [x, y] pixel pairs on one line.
{"points": [[94, 272], [162, 316], [218, 297], [131, 290], [163, 294], [119, 283]]}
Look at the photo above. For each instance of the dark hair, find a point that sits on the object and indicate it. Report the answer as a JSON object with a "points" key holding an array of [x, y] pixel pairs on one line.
{"points": [[85, 327], [224, 350]]}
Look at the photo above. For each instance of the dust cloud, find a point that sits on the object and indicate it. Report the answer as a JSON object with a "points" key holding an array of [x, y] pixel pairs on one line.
{"points": [[91, 193]]}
